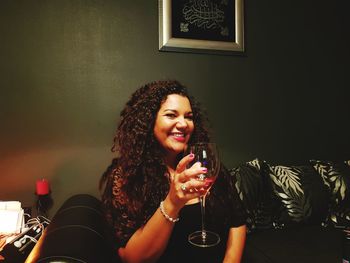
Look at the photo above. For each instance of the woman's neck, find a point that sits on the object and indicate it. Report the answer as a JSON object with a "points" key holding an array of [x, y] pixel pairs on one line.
{"points": [[171, 163]]}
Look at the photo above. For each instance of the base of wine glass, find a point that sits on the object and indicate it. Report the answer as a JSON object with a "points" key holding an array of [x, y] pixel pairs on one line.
{"points": [[204, 239]]}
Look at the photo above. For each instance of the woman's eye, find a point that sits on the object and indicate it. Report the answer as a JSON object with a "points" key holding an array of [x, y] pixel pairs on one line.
{"points": [[189, 117], [170, 115]]}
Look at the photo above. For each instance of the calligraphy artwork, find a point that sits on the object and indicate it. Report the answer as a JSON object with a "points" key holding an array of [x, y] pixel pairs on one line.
{"points": [[201, 26], [203, 19]]}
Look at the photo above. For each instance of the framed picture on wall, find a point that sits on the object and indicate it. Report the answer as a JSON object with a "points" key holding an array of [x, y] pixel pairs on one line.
{"points": [[201, 26]]}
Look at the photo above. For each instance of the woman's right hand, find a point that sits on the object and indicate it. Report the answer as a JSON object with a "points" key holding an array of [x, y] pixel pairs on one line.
{"points": [[184, 184]]}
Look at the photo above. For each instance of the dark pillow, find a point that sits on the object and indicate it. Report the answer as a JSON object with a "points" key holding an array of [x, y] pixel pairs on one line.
{"points": [[336, 176], [301, 194], [250, 186]]}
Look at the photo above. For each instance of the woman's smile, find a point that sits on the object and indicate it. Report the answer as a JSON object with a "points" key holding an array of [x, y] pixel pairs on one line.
{"points": [[180, 137]]}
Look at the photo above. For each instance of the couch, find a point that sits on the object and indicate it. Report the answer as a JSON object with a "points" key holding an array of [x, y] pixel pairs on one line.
{"points": [[295, 214]]}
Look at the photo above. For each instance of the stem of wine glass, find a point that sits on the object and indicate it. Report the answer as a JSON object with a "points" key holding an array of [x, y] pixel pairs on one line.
{"points": [[202, 202]]}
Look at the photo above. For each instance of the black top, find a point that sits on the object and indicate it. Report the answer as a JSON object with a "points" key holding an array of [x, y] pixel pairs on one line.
{"points": [[223, 211], [180, 250]]}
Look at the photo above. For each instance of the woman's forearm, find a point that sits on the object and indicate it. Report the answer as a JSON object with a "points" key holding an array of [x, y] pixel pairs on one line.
{"points": [[148, 243], [235, 244]]}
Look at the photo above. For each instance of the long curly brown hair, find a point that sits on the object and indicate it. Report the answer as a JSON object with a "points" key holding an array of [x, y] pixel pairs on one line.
{"points": [[139, 154]]}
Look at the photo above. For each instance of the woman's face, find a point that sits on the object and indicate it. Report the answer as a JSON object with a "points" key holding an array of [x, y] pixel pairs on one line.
{"points": [[174, 124]]}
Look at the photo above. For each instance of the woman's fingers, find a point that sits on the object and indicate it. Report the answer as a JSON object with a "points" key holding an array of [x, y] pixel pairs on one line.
{"points": [[186, 181], [194, 186], [181, 166], [192, 173]]}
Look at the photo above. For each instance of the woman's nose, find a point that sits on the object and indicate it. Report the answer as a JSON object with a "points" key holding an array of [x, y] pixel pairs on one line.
{"points": [[181, 122]]}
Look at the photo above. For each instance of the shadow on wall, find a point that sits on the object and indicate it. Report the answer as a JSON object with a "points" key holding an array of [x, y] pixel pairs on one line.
{"points": [[69, 171]]}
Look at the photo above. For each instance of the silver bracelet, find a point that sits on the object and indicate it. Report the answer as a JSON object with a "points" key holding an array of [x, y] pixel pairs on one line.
{"points": [[167, 217]]}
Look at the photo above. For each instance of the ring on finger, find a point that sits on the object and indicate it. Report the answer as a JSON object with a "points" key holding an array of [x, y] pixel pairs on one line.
{"points": [[183, 187]]}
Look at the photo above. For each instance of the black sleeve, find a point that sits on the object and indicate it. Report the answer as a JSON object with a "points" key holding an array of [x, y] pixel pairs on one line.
{"points": [[228, 200]]}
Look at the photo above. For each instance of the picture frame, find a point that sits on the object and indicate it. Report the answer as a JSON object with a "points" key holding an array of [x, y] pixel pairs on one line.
{"points": [[201, 26]]}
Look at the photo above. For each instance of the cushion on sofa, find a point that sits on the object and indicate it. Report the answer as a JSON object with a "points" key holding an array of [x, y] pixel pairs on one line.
{"points": [[336, 176], [301, 194], [250, 184]]}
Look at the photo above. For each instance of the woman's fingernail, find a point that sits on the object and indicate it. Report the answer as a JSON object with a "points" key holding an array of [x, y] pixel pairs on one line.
{"points": [[204, 169], [191, 155]]}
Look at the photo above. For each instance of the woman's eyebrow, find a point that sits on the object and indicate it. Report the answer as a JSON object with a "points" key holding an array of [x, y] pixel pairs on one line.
{"points": [[175, 111]]}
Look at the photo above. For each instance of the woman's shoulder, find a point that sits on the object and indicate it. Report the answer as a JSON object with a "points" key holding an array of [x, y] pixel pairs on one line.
{"points": [[224, 174], [224, 184]]}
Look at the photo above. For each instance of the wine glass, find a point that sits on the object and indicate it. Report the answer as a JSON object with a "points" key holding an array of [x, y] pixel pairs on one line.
{"points": [[207, 155]]}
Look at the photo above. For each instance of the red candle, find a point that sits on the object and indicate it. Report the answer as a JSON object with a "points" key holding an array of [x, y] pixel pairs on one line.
{"points": [[42, 187]]}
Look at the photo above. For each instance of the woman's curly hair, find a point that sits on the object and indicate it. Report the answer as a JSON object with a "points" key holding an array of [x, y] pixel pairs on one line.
{"points": [[142, 181]]}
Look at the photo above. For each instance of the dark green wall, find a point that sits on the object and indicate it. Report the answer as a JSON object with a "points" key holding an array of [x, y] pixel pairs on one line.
{"points": [[68, 67]]}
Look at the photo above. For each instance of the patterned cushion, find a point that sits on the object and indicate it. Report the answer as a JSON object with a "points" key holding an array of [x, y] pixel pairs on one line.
{"points": [[250, 185], [336, 176], [302, 196]]}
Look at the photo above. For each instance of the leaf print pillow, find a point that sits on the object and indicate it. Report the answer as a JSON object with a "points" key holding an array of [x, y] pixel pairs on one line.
{"points": [[336, 176], [302, 196], [250, 184]]}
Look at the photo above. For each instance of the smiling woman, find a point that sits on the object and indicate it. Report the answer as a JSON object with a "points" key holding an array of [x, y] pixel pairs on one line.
{"points": [[144, 194], [174, 125]]}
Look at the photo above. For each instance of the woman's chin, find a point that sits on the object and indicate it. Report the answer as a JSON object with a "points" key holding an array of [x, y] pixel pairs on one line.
{"points": [[177, 150]]}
